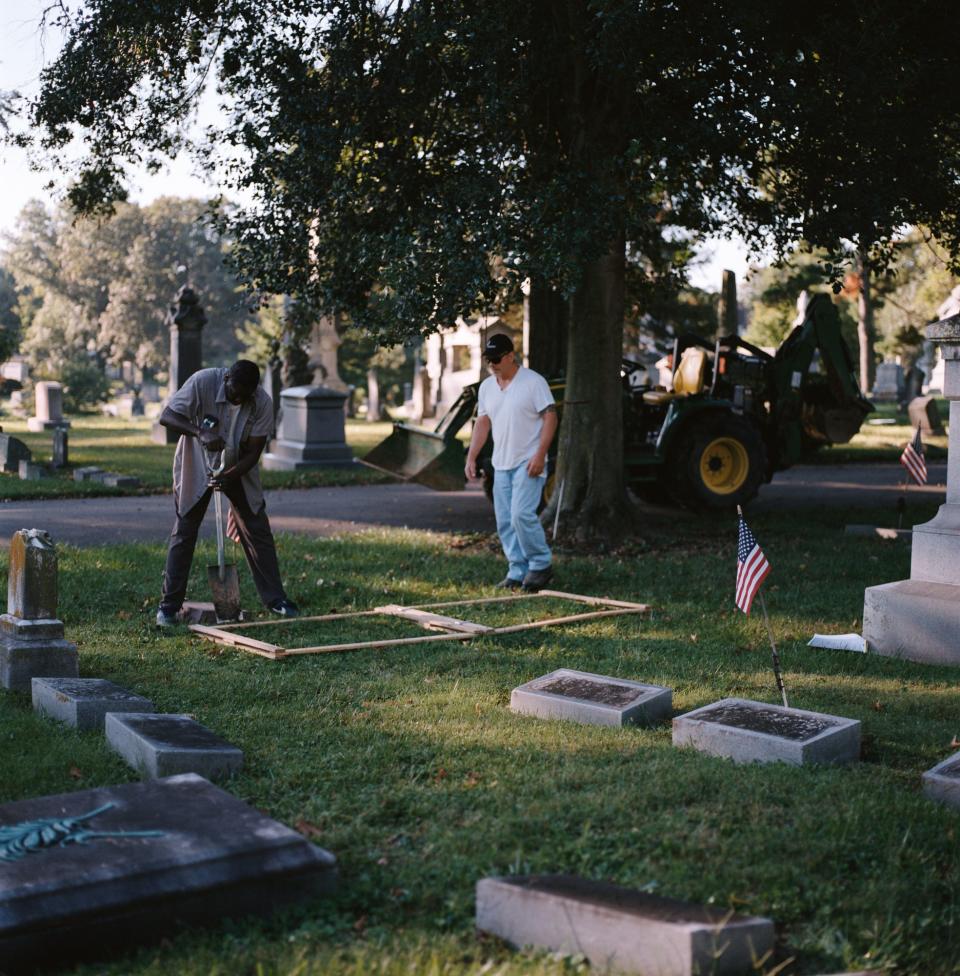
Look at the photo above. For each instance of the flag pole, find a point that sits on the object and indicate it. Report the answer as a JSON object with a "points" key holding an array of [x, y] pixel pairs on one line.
{"points": [[773, 647], [773, 652]]}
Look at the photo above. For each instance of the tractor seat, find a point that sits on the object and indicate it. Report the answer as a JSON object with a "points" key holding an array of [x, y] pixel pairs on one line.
{"points": [[686, 380]]}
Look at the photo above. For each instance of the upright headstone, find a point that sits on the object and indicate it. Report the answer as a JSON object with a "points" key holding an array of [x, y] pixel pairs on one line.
{"points": [[272, 385], [61, 447], [31, 636], [12, 452], [727, 311], [924, 412], [919, 618], [889, 382], [912, 385], [186, 320], [48, 402], [312, 432]]}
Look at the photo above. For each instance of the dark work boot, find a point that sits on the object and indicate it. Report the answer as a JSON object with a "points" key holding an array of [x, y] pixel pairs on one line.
{"points": [[537, 579]]}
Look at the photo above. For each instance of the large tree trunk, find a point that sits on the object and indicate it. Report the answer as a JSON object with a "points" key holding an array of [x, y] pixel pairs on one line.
{"points": [[548, 321], [865, 330], [595, 506]]}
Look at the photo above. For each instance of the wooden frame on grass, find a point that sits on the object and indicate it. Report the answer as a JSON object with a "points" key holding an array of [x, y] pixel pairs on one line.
{"points": [[449, 628]]}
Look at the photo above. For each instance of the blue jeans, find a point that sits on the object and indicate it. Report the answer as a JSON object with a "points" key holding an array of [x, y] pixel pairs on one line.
{"points": [[515, 499]]}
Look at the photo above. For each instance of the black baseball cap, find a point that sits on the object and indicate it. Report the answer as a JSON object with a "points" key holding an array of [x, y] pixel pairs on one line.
{"points": [[497, 346]]}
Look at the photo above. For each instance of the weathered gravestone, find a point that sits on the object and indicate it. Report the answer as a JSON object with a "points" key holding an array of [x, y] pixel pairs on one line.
{"points": [[84, 702], [919, 618], [942, 783], [12, 452], [621, 930], [31, 636], [29, 471], [311, 432], [889, 382], [186, 320], [925, 414], [61, 447], [87, 474], [205, 856], [592, 698], [165, 745], [48, 399], [749, 731]]}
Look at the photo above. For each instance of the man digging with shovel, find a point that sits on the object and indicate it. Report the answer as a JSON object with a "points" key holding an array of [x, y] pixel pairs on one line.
{"points": [[221, 410]]}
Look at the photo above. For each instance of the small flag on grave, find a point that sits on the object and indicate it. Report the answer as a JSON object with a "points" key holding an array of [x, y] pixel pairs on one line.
{"points": [[752, 567], [913, 460]]}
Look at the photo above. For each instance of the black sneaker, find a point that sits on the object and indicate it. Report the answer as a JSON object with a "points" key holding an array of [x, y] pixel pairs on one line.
{"points": [[165, 620], [537, 579], [508, 583], [285, 608]]}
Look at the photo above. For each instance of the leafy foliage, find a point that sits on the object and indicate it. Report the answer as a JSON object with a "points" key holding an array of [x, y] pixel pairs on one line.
{"points": [[98, 290]]}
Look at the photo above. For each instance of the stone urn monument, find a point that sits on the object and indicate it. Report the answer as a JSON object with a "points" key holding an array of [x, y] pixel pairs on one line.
{"points": [[919, 618]]}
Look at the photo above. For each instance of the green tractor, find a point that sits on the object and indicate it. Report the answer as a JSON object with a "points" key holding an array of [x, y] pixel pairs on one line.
{"points": [[735, 416]]}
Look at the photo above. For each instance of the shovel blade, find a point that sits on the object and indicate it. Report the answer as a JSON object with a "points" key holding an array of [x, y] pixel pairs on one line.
{"points": [[226, 592]]}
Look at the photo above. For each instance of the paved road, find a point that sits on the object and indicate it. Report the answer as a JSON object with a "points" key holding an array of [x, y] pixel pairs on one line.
{"points": [[330, 511]]}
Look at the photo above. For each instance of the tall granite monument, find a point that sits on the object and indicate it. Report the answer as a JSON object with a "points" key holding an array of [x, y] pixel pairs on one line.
{"points": [[31, 636], [919, 618], [186, 320]]}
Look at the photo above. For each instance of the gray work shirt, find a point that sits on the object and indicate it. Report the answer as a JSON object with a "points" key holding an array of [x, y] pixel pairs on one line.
{"points": [[205, 393]]}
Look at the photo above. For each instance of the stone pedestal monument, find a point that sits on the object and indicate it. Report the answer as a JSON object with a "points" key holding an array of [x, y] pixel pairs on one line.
{"points": [[186, 320], [311, 432], [48, 400], [919, 618], [31, 636]]}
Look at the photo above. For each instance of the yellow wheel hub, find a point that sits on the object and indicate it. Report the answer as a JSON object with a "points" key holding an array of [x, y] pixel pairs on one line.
{"points": [[724, 465]]}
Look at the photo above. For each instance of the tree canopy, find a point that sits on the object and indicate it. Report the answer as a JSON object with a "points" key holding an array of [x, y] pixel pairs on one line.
{"points": [[411, 161]]}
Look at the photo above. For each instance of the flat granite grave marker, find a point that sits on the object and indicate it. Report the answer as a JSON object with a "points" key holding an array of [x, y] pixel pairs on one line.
{"points": [[620, 929], [942, 783], [749, 731], [86, 474], [594, 699], [164, 745], [215, 858], [31, 636], [84, 702]]}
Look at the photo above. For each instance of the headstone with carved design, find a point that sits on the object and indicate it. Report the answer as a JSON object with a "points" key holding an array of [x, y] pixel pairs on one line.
{"points": [[32, 644]]}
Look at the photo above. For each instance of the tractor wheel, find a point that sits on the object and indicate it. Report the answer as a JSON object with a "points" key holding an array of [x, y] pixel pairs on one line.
{"points": [[719, 465]]}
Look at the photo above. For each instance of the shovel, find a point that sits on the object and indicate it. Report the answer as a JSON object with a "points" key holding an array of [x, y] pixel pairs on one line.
{"points": [[224, 582]]}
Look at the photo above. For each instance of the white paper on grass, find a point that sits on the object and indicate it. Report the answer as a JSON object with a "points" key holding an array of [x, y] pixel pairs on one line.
{"points": [[839, 642]]}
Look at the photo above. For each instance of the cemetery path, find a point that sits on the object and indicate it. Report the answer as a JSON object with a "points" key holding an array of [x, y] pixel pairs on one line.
{"points": [[322, 512]]}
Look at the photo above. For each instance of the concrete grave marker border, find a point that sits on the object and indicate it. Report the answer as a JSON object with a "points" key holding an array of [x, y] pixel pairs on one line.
{"points": [[620, 929], [942, 782], [778, 734], [594, 699]]}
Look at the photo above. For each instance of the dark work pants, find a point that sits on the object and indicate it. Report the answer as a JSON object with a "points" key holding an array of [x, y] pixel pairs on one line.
{"points": [[255, 537]]}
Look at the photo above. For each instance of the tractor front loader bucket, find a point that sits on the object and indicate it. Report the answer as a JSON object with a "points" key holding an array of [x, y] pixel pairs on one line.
{"points": [[420, 455]]}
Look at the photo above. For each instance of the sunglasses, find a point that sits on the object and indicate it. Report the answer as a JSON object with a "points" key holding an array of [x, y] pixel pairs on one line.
{"points": [[494, 359]]}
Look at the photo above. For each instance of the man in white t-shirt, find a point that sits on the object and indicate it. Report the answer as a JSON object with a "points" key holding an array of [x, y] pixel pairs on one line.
{"points": [[240, 418], [517, 405]]}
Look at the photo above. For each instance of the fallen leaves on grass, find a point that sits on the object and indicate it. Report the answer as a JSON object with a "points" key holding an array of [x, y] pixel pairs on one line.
{"points": [[308, 829]]}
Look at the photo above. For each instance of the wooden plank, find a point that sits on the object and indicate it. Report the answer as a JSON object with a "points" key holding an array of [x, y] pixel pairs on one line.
{"points": [[478, 600], [237, 640], [434, 621], [296, 620], [360, 645], [573, 618], [595, 600]]}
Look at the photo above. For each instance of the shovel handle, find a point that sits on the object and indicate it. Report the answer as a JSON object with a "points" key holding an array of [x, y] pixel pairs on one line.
{"points": [[218, 506]]}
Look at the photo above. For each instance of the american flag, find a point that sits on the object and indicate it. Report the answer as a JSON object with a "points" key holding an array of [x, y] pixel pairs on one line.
{"points": [[912, 459], [752, 567]]}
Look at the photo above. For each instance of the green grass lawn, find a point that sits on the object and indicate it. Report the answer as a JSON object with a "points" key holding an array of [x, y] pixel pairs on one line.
{"points": [[408, 764], [124, 446]]}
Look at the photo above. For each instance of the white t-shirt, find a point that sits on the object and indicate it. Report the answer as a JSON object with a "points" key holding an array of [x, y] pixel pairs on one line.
{"points": [[514, 416]]}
